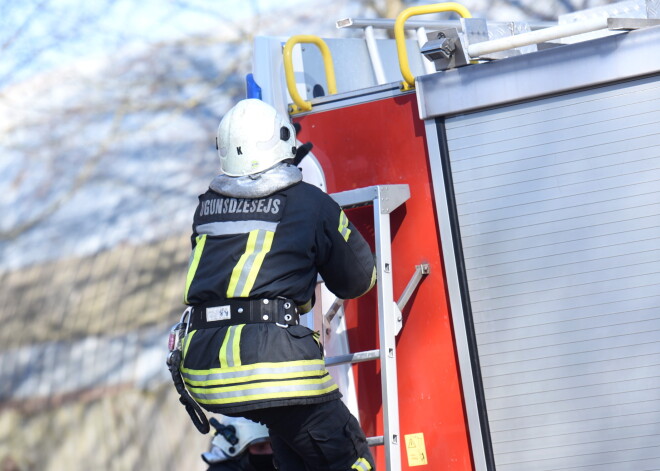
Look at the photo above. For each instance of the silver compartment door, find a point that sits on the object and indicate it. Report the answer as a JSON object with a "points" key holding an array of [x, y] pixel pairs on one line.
{"points": [[558, 207]]}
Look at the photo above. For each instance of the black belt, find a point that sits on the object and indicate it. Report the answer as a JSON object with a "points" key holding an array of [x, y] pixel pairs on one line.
{"points": [[244, 311]]}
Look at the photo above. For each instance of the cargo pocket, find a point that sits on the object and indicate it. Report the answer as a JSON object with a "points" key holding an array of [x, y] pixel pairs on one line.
{"points": [[340, 451], [354, 432], [333, 448], [305, 343], [299, 331]]}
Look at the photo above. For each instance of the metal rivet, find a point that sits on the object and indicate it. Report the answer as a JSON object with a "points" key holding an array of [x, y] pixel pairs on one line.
{"points": [[240, 309], [265, 301], [287, 317], [265, 317], [287, 305]]}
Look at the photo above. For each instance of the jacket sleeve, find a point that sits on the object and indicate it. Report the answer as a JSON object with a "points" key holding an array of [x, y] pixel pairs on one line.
{"points": [[344, 258], [193, 237]]}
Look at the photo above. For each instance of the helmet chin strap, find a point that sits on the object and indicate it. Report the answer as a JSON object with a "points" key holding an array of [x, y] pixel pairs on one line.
{"points": [[258, 185]]}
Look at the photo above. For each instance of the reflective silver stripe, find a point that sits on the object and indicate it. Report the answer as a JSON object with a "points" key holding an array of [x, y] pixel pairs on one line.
{"points": [[259, 247], [265, 390], [231, 333], [258, 369], [235, 227]]}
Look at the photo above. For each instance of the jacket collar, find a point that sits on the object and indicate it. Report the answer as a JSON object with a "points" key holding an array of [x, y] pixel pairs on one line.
{"points": [[258, 185]]}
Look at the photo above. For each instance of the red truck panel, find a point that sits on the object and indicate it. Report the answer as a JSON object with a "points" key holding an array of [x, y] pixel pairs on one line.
{"points": [[383, 142]]}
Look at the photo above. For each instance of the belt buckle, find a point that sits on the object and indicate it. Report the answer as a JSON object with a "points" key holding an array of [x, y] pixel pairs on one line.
{"points": [[287, 304]]}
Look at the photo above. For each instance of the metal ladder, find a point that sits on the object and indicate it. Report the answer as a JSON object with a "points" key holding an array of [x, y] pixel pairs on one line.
{"points": [[385, 199]]}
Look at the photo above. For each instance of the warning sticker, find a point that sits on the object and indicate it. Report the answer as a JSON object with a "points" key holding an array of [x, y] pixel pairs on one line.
{"points": [[416, 449]]}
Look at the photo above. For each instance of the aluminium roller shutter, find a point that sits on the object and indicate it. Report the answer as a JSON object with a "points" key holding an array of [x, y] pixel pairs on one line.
{"points": [[558, 206]]}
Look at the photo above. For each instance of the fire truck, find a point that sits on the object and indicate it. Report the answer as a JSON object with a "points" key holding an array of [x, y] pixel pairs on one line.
{"points": [[508, 177]]}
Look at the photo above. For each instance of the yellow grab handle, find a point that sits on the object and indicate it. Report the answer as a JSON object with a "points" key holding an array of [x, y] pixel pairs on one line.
{"points": [[408, 78], [303, 105]]}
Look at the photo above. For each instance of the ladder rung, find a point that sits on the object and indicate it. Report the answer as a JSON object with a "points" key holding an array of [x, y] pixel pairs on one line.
{"points": [[375, 441], [356, 357], [357, 197], [391, 196]]}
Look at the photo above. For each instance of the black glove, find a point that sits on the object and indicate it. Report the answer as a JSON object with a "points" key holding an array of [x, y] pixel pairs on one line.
{"points": [[301, 152]]}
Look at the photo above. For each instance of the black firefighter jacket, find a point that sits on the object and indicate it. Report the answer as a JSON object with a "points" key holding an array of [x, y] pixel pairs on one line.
{"points": [[265, 248]]}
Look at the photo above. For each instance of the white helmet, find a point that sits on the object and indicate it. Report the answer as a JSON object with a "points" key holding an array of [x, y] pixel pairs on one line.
{"points": [[252, 137], [233, 436]]}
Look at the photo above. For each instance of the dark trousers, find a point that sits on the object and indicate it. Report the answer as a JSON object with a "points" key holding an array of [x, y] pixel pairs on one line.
{"points": [[316, 437]]}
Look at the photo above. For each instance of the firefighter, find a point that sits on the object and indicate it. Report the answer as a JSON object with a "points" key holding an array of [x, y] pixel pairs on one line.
{"points": [[260, 237], [239, 445]]}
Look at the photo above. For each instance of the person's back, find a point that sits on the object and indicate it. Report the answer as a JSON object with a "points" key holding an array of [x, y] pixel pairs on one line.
{"points": [[270, 246], [260, 237]]}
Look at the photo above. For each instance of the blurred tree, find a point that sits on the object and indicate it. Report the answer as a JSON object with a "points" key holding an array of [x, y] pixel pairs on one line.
{"points": [[81, 112], [32, 30]]}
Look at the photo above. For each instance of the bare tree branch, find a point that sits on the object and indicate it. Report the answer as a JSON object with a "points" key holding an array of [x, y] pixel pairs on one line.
{"points": [[21, 28]]}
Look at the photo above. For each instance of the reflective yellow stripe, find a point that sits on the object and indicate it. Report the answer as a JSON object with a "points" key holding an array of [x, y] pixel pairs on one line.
{"points": [[230, 351], [266, 396], [236, 347], [246, 270], [256, 377], [272, 390], [222, 355], [361, 464], [295, 368], [270, 365], [305, 308], [263, 385], [373, 279], [343, 226], [194, 263], [256, 266], [186, 342], [238, 269]]}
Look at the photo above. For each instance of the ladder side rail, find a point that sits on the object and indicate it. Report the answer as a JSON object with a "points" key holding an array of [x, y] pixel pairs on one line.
{"points": [[387, 333], [388, 24], [374, 55], [384, 199]]}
